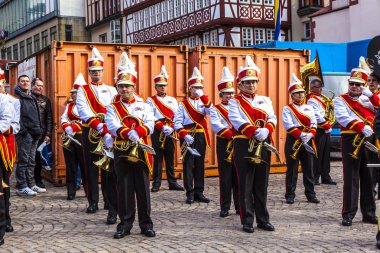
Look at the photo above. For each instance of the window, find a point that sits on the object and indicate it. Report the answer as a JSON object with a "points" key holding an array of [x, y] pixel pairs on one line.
{"points": [[44, 35], [214, 39], [247, 36], [28, 46], [164, 8], [146, 18], [53, 33], [141, 19], [177, 8], [270, 35], [269, 2], [198, 40], [158, 14], [22, 50], [185, 41], [244, 1], [152, 15], [184, 7], [15, 52], [115, 31], [199, 4], [68, 32], [103, 37], [206, 3], [306, 28], [170, 9], [192, 42], [135, 22], [37, 43], [256, 1], [259, 35], [9, 53], [191, 6], [206, 38]]}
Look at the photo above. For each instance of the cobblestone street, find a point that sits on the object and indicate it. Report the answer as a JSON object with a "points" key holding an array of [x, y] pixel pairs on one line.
{"points": [[50, 223]]}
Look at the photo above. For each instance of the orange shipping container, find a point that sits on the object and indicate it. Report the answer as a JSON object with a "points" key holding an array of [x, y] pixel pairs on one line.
{"points": [[59, 65]]}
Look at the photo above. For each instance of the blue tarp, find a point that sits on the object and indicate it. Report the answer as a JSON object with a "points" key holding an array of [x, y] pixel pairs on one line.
{"points": [[334, 57]]}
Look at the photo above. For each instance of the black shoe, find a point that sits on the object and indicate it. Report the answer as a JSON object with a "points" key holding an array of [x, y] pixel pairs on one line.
{"points": [[290, 200], [248, 228], [8, 228], [41, 184], [330, 182], [149, 232], [175, 187], [92, 208], [266, 226], [238, 212], [190, 199], [371, 220], [223, 213], [1, 241], [111, 218], [155, 188], [77, 188], [313, 200], [120, 233], [70, 197], [201, 198], [346, 221]]}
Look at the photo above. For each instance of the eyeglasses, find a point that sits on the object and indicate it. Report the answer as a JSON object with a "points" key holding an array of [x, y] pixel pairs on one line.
{"points": [[355, 84]]}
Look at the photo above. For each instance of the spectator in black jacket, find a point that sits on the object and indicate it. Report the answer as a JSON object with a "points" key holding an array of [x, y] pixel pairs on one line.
{"points": [[27, 139], [46, 117]]}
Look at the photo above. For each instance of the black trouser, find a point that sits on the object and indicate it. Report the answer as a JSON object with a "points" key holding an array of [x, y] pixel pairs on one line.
{"points": [[321, 164], [7, 194], [132, 180], [193, 166], [355, 171], [372, 158], [73, 159], [38, 166], [3, 220], [227, 176], [253, 183], [292, 169], [168, 154], [92, 174]]}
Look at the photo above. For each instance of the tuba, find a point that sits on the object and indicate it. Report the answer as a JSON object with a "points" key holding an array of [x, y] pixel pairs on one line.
{"points": [[329, 112]]}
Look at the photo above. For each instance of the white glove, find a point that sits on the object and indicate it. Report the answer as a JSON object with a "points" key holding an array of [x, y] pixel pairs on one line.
{"points": [[261, 134], [199, 92], [305, 137], [366, 92], [133, 136], [367, 131], [167, 130], [99, 127], [69, 130], [328, 130], [189, 139], [108, 140]]}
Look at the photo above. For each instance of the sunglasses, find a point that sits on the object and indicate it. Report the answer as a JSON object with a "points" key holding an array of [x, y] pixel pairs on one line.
{"points": [[355, 84]]}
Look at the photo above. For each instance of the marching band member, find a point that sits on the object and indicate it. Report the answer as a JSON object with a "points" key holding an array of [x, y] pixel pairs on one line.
{"points": [[92, 102], [11, 146], [321, 162], [131, 121], [354, 111], [300, 123], [190, 123], [253, 117], [164, 107], [5, 125], [222, 127], [72, 126]]}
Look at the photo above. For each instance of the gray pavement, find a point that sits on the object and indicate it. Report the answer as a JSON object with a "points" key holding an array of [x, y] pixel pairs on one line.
{"points": [[50, 223]]}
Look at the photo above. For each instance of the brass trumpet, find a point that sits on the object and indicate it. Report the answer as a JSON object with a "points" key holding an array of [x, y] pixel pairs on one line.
{"points": [[229, 151], [3, 185], [66, 142], [93, 135], [185, 147], [329, 111], [296, 148], [357, 143], [257, 145]]}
